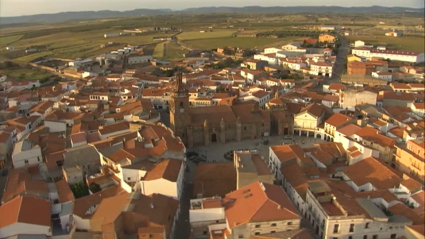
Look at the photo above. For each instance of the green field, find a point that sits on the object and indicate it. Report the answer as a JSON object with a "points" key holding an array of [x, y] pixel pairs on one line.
{"points": [[4, 41], [243, 42], [398, 43], [158, 53], [192, 35], [26, 74], [173, 51]]}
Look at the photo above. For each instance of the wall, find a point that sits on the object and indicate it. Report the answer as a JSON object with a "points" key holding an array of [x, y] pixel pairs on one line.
{"points": [[161, 186], [301, 121], [81, 224], [24, 228], [55, 126], [33, 156], [273, 226]]}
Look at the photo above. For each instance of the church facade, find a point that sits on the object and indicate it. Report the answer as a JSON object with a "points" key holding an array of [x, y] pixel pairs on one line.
{"points": [[215, 124]]}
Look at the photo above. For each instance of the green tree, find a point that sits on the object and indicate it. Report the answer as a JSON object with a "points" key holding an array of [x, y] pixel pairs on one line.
{"points": [[94, 188], [80, 190]]}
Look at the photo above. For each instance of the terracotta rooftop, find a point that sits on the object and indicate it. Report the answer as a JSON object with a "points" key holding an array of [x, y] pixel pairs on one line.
{"points": [[26, 209], [258, 202], [374, 172], [337, 119], [214, 179], [168, 169]]}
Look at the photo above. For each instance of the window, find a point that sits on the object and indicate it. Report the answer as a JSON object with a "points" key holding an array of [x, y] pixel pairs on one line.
{"points": [[240, 236], [273, 224], [365, 237], [393, 236], [336, 228], [273, 232], [289, 223], [257, 233], [257, 226], [375, 237], [26, 161], [351, 227], [128, 178], [367, 225]]}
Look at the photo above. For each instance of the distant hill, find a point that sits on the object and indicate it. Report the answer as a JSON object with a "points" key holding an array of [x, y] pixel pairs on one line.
{"points": [[90, 15]]}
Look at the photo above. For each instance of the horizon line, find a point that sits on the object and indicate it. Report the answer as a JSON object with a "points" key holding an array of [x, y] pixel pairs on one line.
{"points": [[182, 9]]}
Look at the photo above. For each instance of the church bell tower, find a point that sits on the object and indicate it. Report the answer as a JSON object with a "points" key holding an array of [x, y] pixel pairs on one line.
{"points": [[180, 109]]}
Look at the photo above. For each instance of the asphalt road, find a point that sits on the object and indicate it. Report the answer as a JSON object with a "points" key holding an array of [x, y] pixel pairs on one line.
{"points": [[340, 62]]}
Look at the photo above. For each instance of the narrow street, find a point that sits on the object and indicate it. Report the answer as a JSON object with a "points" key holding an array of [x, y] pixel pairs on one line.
{"points": [[182, 226], [339, 65]]}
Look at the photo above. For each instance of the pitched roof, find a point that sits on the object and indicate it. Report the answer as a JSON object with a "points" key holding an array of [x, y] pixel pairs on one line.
{"points": [[168, 169], [258, 202], [26, 209], [337, 119], [212, 179], [21, 181], [418, 228], [64, 191], [349, 129], [313, 109], [374, 172]]}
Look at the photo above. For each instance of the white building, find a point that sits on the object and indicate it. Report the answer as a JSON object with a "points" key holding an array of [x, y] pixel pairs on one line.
{"points": [[111, 35], [271, 50], [394, 55], [26, 154], [387, 76], [359, 43], [139, 59], [28, 215], [321, 69], [164, 177]]}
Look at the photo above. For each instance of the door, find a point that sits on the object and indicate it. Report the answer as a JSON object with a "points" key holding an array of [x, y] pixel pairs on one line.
{"points": [[214, 138]]}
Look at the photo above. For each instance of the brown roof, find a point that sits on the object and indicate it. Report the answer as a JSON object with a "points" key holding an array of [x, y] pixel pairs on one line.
{"points": [[64, 191], [260, 165], [349, 129], [108, 129], [258, 202], [156, 209], [26, 209], [21, 181], [82, 205], [403, 210], [337, 119], [168, 169], [374, 172], [313, 109], [337, 86], [212, 179], [373, 135]]}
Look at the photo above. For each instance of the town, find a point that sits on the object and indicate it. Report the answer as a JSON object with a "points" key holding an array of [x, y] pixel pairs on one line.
{"points": [[320, 137]]}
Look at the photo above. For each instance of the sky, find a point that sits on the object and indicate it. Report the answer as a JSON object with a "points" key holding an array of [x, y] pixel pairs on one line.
{"points": [[30, 7]]}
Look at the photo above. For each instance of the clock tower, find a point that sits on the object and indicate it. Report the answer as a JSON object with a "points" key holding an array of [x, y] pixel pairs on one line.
{"points": [[180, 109]]}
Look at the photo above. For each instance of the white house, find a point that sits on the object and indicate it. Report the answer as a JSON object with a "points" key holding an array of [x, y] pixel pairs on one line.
{"points": [[25, 215], [321, 69], [394, 55], [293, 64], [387, 76], [164, 177], [26, 154], [271, 50], [359, 43], [418, 108], [291, 46], [270, 58]]}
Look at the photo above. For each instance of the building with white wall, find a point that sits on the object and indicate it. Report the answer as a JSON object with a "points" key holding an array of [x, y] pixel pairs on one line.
{"points": [[393, 55], [26, 154], [139, 59]]}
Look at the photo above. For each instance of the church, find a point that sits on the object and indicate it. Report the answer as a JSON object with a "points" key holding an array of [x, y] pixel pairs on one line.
{"points": [[215, 124]]}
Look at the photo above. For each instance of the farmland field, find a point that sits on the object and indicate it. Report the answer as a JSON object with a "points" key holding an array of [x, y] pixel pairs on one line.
{"points": [[9, 39], [243, 42], [158, 53], [198, 35], [398, 43], [26, 74], [173, 51]]}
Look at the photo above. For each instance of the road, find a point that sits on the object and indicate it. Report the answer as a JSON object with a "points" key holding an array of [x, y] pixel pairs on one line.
{"points": [[339, 65]]}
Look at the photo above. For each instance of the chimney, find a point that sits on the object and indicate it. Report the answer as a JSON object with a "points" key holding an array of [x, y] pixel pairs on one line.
{"points": [[152, 206]]}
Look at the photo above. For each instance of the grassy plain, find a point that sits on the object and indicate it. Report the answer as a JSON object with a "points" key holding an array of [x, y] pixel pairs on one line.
{"points": [[5, 40], [25, 74], [159, 51], [408, 43], [243, 42], [216, 33], [173, 51]]}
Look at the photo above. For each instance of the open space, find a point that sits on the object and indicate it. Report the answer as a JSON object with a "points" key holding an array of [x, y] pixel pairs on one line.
{"points": [[26, 74], [243, 42], [159, 51], [6, 40], [173, 51], [408, 43], [215, 33]]}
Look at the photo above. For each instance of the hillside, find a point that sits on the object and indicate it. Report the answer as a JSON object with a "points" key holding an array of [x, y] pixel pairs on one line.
{"points": [[89, 15]]}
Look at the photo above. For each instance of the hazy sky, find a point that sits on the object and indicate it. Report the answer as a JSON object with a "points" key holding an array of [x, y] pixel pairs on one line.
{"points": [[30, 7]]}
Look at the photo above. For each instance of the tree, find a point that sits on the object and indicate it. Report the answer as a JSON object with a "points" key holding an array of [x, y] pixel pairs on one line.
{"points": [[94, 188], [80, 190]]}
